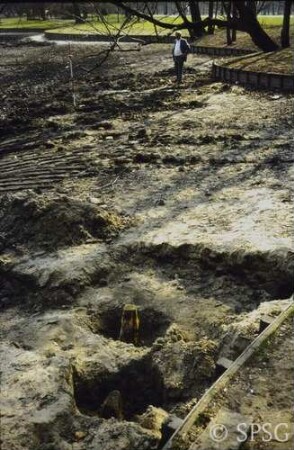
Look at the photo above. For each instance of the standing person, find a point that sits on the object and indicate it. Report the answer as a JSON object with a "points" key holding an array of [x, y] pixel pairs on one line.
{"points": [[180, 52]]}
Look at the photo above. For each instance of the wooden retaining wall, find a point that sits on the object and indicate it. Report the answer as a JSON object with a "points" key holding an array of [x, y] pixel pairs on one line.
{"points": [[106, 38], [259, 80], [12, 37], [221, 382], [219, 51], [203, 50]]}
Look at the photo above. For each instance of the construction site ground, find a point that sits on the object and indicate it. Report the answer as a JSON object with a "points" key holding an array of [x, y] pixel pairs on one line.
{"points": [[175, 199]]}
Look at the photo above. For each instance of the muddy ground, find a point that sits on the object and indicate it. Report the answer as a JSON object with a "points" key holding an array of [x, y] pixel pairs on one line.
{"points": [[255, 395], [177, 200]]}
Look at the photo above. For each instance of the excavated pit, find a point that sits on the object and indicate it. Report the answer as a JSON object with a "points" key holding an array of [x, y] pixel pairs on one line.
{"points": [[271, 272], [153, 324], [139, 384]]}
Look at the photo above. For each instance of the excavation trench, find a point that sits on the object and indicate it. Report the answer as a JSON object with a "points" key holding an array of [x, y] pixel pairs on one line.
{"points": [[270, 271], [139, 385], [152, 323]]}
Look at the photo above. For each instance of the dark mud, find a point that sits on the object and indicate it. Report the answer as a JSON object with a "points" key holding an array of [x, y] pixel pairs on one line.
{"points": [[34, 221]]}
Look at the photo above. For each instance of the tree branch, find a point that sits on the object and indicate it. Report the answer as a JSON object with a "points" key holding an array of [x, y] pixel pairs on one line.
{"points": [[234, 24], [146, 17], [181, 12]]}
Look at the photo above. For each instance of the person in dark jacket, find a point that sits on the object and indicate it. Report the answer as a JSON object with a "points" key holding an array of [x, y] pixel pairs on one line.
{"points": [[180, 51]]}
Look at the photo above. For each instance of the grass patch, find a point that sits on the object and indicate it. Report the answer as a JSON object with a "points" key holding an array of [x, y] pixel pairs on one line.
{"points": [[134, 27], [92, 26], [22, 23], [273, 21], [115, 21]]}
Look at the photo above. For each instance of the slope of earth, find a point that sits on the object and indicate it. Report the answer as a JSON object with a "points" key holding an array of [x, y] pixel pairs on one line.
{"points": [[176, 200], [219, 39], [281, 61]]}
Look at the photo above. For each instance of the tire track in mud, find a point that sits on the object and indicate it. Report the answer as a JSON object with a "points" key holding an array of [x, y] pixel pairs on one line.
{"points": [[41, 170]]}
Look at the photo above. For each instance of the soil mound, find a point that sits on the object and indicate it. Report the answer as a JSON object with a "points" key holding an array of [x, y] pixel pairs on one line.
{"points": [[33, 220]]}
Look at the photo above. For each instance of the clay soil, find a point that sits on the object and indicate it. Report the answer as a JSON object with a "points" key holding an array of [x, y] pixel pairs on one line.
{"points": [[175, 199]]}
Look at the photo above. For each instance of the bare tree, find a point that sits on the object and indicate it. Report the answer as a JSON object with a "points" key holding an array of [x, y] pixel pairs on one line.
{"points": [[210, 29], [231, 14], [228, 9], [260, 6], [285, 34], [77, 13], [252, 26], [252, 4], [234, 31], [196, 18], [114, 34]]}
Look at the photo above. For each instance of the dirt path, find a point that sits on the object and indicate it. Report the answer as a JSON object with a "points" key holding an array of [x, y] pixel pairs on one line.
{"points": [[175, 200]]}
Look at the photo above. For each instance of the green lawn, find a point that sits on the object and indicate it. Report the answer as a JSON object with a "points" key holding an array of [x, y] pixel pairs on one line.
{"points": [[273, 21], [114, 23], [22, 23], [134, 27]]}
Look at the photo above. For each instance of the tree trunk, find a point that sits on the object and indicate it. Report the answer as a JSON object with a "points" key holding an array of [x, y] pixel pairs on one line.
{"points": [[196, 18], [285, 35], [42, 12], [229, 36], [253, 27], [210, 29], [252, 5], [77, 13], [85, 14], [234, 31]]}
